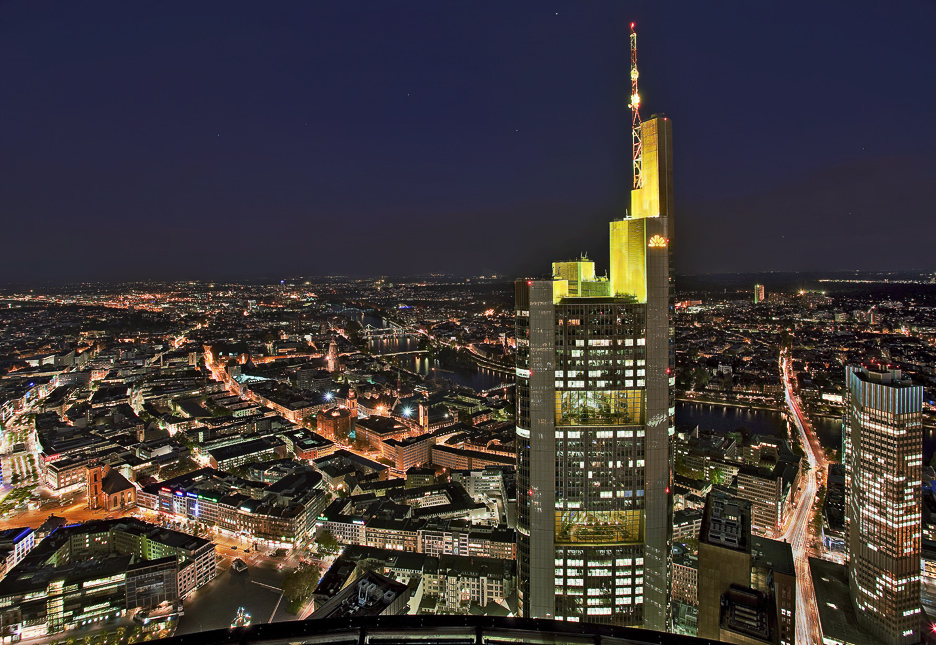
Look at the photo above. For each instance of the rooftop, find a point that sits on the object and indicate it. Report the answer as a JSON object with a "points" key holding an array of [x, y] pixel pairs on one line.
{"points": [[837, 617], [726, 522]]}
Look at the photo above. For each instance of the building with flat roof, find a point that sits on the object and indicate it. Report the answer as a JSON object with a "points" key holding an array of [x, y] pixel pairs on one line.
{"points": [[15, 543], [279, 513], [724, 556], [238, 454], [370, 595], [85, 573], [883, 454], [746, 584], [837, 620], [759, 294]]}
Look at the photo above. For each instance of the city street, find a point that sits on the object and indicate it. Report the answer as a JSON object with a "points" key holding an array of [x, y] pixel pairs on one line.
{"points": [[797, 532]]}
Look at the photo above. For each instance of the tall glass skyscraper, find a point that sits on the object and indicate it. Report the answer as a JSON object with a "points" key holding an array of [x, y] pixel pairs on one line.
{"points": [[883, 457], [595, 417]]}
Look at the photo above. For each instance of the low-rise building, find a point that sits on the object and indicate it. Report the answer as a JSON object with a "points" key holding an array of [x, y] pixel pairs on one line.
{"points": [[238, 454], [280, 513], [462, 581], [370, 595], [307, 445], [335, 423], [461, 459], [685, 598], [407, 453], [14, 545], [108, 489], [86, 573]]}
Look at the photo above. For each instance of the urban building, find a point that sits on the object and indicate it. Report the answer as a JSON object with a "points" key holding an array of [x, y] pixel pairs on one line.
{"points": [[86, 573], [928, 583], [464, 459], [279, 514], [441, 584], [407, 453], [595, 410], [370, 595], [686, 524], [417, 476], [883, 454], [335, 423], [373, 430], [746, 584], [724, 556], [307, 445], [460, 582], [771, 492], [833, 510], [685, 592], [238, 454], [838, 622], [14, 545], [759, 294], [109, 489]]}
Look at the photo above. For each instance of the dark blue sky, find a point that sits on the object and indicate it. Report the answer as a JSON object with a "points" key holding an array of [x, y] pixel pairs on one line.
{"points": [[178, 139]]}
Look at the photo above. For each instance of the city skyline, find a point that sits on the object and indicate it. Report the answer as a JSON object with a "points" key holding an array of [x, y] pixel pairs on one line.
{"points": [[166, 403], [433, 123], [188, 443]]}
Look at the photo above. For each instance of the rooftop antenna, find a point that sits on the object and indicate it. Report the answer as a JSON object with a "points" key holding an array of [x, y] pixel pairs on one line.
{"points": [[635, 109]]}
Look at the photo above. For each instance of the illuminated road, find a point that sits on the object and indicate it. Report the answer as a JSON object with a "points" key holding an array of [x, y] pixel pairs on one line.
{"points": [[797, 532]]}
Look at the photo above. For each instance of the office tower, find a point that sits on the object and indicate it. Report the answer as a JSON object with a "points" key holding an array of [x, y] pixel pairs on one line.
{"points": [[883, 454], [724, 556], [332, 357], [758, 293], [595, 408], [746, 584]]}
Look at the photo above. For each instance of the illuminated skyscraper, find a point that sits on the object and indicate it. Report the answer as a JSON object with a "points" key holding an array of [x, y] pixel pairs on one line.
{"points": [[883, 457], [595, 408], [758, 293]]}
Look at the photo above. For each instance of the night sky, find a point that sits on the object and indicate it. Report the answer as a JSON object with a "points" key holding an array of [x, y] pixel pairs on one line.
{"points": [[152, 139]]}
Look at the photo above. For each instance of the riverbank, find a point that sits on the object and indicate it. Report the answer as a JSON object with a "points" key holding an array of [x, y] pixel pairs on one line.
{"points": [[731, 404]]}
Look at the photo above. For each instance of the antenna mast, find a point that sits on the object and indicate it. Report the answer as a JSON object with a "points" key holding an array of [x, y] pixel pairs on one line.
{"points": [[635, 109]]}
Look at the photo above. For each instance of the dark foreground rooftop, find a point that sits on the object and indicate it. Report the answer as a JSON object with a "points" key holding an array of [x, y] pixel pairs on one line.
{"points": [[429, 630]]}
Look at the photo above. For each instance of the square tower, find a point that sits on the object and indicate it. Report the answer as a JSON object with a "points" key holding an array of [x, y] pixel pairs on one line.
{"points": [[883, 454], [595, 417]]}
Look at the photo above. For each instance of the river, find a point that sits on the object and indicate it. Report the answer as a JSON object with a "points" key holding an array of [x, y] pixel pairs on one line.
{"points": [[708, 416], [479, 378], [725, 418]]}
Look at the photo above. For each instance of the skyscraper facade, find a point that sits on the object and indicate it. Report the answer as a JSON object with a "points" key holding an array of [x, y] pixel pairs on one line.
{"points": [[883, 454], [595, 414]]}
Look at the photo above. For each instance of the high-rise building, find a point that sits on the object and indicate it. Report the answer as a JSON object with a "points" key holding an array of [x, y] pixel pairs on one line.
{"points": [[332, 357], [883, 457], [595, 415], [724, 556], [758, 293], [746, 584]]}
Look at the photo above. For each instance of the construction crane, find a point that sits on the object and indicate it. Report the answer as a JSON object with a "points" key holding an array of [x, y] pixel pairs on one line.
{"points": [[635, 109]]}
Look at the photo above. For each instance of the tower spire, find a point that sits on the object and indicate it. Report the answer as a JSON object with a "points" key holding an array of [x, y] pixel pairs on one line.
{"points": [[635, 109]]}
